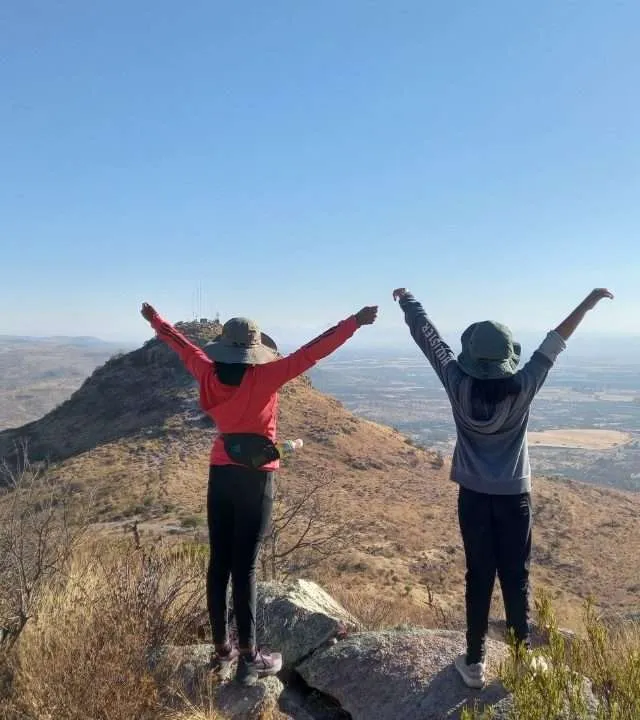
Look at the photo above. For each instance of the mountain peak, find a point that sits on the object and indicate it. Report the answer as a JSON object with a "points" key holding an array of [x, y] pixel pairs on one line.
{"points": [[130, 393]]}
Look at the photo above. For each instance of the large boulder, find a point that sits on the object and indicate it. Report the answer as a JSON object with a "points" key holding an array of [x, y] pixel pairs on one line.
{"points": [[299, 617], [406, 674]]}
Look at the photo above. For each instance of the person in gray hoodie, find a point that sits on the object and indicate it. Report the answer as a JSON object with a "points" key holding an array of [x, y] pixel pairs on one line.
{"points": [[491, 399]]}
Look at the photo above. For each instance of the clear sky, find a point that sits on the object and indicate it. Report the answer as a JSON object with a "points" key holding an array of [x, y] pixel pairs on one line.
{"points": [[297, 160]]}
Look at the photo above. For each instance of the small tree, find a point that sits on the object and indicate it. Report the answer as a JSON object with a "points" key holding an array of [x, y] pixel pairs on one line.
{"points": [[305, 527], [38, 532]]}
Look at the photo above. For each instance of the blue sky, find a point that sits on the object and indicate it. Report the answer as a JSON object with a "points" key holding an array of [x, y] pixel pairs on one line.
{"points": [[297, 160]]}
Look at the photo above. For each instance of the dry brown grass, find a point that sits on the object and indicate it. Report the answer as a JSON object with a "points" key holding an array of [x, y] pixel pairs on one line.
{"points": [[87, 652], [91, 652], [268, 713], [380, 613]]}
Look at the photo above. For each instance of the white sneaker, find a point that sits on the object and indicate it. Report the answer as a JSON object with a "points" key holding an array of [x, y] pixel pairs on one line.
{"points": [[473, 675]]}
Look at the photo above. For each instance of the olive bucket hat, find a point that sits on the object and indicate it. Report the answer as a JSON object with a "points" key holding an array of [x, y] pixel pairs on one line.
{"points": [[242, 341], [488, 351]]}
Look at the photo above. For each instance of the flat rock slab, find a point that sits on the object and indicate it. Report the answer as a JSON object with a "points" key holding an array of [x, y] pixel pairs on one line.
{"points": [[298, 618], [406, 674]]}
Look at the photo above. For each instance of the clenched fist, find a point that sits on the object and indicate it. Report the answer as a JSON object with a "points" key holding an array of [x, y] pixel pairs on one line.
{"points": [[148, 312], [367, 316]]}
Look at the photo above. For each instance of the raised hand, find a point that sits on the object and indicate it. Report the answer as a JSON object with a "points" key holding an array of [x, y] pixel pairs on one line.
{"points": [[399, 293], [367, 316], [148, 312], [568, 326], [594, 297]]}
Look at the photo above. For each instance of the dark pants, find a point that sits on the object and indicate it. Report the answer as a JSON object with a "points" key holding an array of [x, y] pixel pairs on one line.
{"points": [[496, 533], [239, 503]]}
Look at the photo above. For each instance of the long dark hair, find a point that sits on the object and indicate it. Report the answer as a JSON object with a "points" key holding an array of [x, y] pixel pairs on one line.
{"points": [[231, 373], [486, 395]]}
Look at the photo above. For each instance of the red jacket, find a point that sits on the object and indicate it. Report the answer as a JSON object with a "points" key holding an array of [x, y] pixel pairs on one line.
{"points": [[252, 407]]}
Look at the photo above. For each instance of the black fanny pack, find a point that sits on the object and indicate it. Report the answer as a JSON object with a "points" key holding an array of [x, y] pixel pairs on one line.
{"points": [[251, 450]]}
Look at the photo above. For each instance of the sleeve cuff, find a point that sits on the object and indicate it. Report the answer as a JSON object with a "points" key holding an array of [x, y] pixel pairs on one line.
{"points": [[552, 346]]}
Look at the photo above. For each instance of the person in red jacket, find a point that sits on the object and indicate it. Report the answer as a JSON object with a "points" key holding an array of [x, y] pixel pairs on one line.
{"points": [[239, 375]]}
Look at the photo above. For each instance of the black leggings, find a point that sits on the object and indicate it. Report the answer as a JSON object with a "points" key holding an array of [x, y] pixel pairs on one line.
{"points": [[496, 533], [239, 503]]}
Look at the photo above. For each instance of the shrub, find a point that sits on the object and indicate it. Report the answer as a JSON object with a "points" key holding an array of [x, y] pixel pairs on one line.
{"points": [[40, 526], [92, 647], [608, 657]]}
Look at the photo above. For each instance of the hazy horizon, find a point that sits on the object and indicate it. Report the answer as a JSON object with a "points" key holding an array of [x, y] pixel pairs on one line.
{"points": [[398, 342]]}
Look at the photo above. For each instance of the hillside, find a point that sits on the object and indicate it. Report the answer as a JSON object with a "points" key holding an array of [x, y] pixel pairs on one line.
{"points": [[133, 439], [36, 374]]}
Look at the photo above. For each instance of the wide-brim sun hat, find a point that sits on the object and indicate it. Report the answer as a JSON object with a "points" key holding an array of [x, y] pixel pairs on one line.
{"points": [[489, 351], [242, 341]]}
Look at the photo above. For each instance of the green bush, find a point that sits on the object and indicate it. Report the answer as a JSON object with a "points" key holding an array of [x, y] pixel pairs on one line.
{"points": [[607, 657]]}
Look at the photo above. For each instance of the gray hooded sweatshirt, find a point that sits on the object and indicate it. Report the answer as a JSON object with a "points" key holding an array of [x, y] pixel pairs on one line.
{"points": [[491, 455]]}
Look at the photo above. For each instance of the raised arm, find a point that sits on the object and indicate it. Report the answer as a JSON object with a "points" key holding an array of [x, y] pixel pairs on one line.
{"points": [[193, 357], [275, 374], [568, 326], [535, 372], [427, 337]]}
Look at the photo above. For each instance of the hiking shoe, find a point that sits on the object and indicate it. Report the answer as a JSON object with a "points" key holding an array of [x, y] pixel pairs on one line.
{"points": [[473, 675], [261, 665], [221, 662]]}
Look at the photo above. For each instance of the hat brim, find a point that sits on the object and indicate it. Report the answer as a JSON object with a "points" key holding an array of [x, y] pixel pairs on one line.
{"points": [[490, 369], [222, 351]]}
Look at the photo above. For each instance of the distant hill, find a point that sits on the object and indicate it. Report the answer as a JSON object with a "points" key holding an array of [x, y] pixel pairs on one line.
{"points": [[128, 394], [52, 340], [36, 374], [133, 436]]}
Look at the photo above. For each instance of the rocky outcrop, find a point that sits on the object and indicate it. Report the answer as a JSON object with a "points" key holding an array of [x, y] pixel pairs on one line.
{"points": [[334, 671], [130, 395], [298, 618], [394, 674]]}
